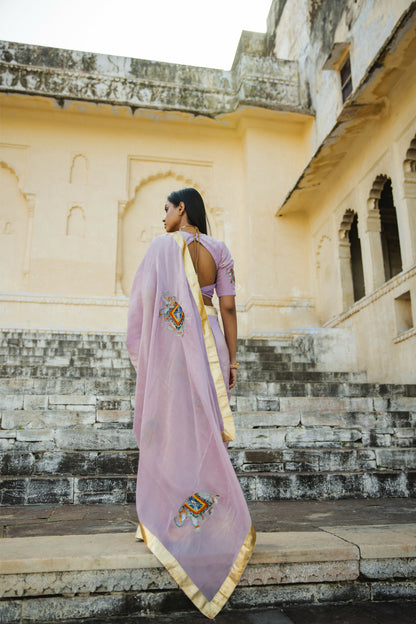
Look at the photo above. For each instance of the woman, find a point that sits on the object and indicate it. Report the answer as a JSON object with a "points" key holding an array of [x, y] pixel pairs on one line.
{"points": [[192, 512]]}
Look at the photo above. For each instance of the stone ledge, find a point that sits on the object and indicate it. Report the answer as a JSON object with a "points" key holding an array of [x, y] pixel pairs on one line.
{"points": [[255, 80], [53, 579], [52, 568], [120, 551], [380, 541]]}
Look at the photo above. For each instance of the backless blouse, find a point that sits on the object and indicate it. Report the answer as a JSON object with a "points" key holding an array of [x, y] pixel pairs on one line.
{"points": [[225, 280]]}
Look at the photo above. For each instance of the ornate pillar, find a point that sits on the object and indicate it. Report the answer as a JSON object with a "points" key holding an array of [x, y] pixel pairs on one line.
{"points": [[119, 261], [374, 275], [344, 255], [409, 201]]}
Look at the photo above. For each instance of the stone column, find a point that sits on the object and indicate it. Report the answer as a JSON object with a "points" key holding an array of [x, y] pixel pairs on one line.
{"points": [[119, 262], [409, 203], [344, 255], [374, 265]]}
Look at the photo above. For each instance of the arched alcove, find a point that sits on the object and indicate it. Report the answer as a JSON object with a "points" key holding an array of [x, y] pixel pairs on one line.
{"points": [[350, 256], [14, 212], [78, 173], [356, 260], [389, 232], [75, 222], [383, 218], [140, 221], [409, 164]]}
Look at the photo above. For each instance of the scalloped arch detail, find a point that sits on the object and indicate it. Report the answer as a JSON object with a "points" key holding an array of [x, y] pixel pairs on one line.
{"points": [[322, 240], [409, 163], [160, 176], [7, 167]]}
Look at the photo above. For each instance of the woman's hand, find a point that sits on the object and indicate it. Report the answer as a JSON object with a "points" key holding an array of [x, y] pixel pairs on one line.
{"points": [[233, 377]]}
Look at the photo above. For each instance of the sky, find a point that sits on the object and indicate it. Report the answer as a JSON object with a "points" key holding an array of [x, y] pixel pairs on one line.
{"points": [[189, 32]]}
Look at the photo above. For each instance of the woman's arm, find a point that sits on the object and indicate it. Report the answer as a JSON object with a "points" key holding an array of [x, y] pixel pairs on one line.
{"points": [[229, 321]]}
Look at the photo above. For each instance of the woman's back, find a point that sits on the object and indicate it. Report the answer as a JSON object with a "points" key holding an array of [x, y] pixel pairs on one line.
{"points": [[213, 263]]}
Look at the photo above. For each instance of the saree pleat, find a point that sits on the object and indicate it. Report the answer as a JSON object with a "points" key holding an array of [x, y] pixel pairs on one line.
{"points": [[192, 511]]}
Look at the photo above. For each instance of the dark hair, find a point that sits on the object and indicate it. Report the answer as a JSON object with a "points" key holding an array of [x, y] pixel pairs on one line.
{"points": [[194, 206]]}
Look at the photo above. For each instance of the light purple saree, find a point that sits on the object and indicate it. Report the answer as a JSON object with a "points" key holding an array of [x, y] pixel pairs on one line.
{"points": [[191, 509]]}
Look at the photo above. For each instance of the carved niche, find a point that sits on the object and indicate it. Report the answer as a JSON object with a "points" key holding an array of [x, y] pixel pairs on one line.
{"points": [[327, 278], [75, 222], [16, 218], [140, 221], [78, 173]]}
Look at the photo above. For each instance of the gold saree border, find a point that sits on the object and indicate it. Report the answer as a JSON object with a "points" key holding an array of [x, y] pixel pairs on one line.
{"points": [[208, 608], [227, 418]]}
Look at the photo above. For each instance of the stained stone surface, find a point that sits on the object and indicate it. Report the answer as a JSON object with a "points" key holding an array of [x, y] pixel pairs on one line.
{"points": [[66, 414], [255, 79]]}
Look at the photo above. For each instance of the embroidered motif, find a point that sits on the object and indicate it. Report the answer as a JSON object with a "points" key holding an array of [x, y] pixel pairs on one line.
{"points": [[230, 273], [173, 313], [195, 507]]}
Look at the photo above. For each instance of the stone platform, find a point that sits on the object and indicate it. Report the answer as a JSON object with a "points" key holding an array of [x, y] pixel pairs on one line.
{"points": [[322, 553]]}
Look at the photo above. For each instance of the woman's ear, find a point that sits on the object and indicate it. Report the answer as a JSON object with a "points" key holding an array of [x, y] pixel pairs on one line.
{"points": [[181, 208]]}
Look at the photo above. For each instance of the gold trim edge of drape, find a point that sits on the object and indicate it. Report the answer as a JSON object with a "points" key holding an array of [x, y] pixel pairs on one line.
{"points": [[228, 435], [209, 608]]}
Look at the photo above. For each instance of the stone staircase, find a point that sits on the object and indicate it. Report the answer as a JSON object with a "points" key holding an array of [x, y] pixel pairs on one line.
{"points": [[66, 404]]}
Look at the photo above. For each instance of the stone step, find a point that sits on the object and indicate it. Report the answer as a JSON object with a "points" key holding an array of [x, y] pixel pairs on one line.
{"points": [[49, 430], [257, 486], [55, 579], [39, 339], [74, 367], [72, 380], [66, 386], [39, 410], [20, 463]]}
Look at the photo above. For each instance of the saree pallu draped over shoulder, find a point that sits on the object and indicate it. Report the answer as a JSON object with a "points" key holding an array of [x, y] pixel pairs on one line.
{"points": [[192, 512]]}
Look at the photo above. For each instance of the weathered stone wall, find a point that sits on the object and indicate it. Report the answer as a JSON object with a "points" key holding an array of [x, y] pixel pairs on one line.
{"points": [[307, 31], [255, 80], [84, 187], [371, 143], [304, 430]]}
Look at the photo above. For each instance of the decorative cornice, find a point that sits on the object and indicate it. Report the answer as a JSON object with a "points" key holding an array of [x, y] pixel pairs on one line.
{"points": [[396, 281], [119, 301], [255, 80]]}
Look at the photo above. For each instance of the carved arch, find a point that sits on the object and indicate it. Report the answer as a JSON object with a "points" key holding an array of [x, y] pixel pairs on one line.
{"points": [[151, 226], [75, 222], [383, 228], [350, 259], [322, 240], [78, 173], [345, 225], [5, 165], [409, 164], [16, 227]]}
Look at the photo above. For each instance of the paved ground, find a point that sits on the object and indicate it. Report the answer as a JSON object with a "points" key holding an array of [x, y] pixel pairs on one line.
{"points": [[376, 613], [49, 520], [32, 520]]}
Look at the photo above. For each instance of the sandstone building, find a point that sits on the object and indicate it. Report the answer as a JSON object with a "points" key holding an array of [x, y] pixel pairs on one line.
{"points": [[305, 151]]}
